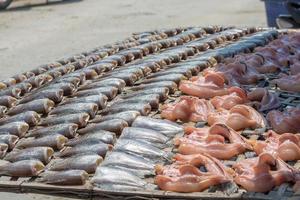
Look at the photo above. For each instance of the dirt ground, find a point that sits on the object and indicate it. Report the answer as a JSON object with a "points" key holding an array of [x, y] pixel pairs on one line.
{"points": [[34, 33]]}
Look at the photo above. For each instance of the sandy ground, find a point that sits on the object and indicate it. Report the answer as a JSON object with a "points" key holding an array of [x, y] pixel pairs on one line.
{"points": [[34, 33]]}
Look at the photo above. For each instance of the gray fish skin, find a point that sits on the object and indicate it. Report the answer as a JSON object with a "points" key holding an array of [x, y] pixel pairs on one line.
{"points": [[152, 99], [30, 117], [100, 100], [68, 88], [114, 82], [100, 148], [129, 78], [55, 95], [147, 135], [186, 72], [74, 80], [55, 141], [109, 177], [42, 154], [141, 148], [110, 92], [169, 84], [135, 164], [3, 110], [8, 101], [138, 72], [67, 130], [128, 116], [41, 106], [88, 163], [166, 127], [77, 74], [15, 128], [94, 137], [89, 108], [10, 140], [162, 91], [80, 119], [114, 125], [69, 177], [145, 69], [3, 149], [143, 108], [14, 92], [169, 77], [23, 168]]}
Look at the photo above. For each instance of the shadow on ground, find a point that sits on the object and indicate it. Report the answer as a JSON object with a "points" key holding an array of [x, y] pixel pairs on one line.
{"points": [[29, 6]]}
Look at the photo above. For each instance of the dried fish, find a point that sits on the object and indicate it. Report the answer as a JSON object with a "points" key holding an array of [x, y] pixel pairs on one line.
{"points": [[94, 137], [23, 168], [110, 82], [141, 148], [88, 163], [69, 177], [100, 100], [165, 127], [42, 154], [55, 95], [114, 125], [161, 91], [136, 164], [89, 108], [169, 84], [68, 130], [152, 99], [110, 92], [80, 119], [55, 141], [128, 116], [150, 136], [30, 117], [15, 128], [111, 178], [100, 148], [41, 106], [143, 108]]}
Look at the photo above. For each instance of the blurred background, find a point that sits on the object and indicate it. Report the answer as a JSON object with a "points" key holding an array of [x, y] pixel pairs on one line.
{"points": [[33, 32]]}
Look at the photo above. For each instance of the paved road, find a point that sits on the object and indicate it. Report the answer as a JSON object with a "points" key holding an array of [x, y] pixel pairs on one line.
{"points": [[33, 33]]}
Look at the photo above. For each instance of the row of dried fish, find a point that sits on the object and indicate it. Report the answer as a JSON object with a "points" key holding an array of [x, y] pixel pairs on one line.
{"points": [[106, 125], [74, 149], [67, 109], [46, 73], [135, 154], [42, 140], [102, 52]]}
